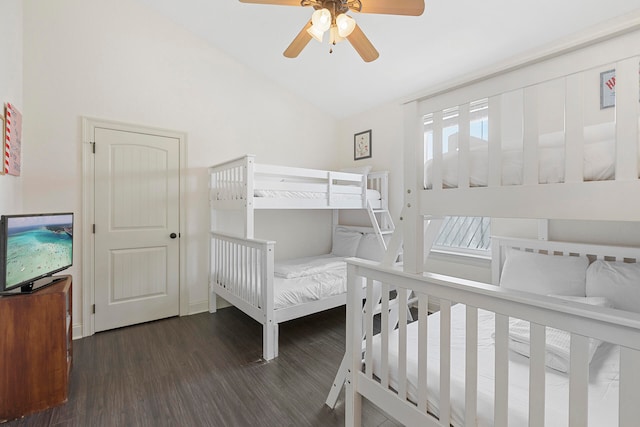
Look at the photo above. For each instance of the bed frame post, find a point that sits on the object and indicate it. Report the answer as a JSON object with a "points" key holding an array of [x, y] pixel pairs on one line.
{"points": [[269, 326], [412, 223], [353, 355], [248, 197]]}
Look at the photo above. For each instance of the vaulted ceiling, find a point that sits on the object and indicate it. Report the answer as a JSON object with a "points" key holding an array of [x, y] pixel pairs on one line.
{"points": [[450, 40]]}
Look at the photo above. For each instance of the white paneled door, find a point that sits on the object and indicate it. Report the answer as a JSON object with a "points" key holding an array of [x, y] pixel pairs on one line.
{"points": [[136, 187]]}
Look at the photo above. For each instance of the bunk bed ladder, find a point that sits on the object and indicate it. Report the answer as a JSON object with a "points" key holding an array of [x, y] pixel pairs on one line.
{"points": [[382, 223]]}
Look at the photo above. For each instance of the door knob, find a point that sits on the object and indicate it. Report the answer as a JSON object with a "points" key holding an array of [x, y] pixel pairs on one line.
{"points": [[173, 235]]}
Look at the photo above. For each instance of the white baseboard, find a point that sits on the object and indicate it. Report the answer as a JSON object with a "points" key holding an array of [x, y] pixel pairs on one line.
{"points": [[194, 308], [76, 331], [198, 307]]}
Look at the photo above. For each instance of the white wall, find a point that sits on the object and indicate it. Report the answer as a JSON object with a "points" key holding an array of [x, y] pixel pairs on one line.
{"points": [[118, 60], [10, 91]]}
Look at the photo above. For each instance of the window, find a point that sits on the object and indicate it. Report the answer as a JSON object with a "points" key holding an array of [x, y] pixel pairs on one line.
{"points": [[467, 235]]}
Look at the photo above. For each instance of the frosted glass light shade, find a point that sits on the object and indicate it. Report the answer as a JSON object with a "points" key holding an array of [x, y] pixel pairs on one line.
{"points": [[345, 24], [315, 33], [321, 19]]}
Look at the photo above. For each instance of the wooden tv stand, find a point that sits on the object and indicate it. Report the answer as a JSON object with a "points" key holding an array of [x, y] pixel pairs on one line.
{"points": [[35, 350]]}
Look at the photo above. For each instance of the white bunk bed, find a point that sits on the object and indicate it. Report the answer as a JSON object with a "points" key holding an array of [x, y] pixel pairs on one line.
{"points": [[457, 366], [243, 271]]}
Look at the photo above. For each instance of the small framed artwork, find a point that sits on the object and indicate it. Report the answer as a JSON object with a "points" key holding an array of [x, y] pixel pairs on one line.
{"points": [[362, 145], [12, 140], [2, 130], [607, 89]]}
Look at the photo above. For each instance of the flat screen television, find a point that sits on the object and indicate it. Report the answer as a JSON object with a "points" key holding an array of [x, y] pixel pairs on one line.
{"points": [[33, 247]]}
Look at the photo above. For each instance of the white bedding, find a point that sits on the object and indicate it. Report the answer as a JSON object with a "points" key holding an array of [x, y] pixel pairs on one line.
{"points": [[284, 194], [303, 280], [603, 376], [599, 165]]}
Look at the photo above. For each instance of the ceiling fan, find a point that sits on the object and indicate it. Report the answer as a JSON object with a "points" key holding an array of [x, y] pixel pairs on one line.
{"points": [[331, 15]]}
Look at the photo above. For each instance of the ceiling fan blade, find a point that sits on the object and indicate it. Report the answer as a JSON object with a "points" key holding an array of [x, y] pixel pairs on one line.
{"points": [[276, 2], [299, 42], [393, 7], [362, 45]]}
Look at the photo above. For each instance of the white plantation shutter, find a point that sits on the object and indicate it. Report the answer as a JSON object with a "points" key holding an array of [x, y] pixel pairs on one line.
{"points": [[465, 234]]}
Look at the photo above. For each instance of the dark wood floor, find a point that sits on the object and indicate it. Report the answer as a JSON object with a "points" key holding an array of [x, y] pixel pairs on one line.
{"points": [[205, 370]]}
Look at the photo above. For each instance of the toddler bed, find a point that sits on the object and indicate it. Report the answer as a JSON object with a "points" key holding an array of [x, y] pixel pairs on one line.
{"points": [[462, 367]]}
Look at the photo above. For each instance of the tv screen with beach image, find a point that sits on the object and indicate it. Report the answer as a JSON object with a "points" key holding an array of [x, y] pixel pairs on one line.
{"points": [[38, 245]]}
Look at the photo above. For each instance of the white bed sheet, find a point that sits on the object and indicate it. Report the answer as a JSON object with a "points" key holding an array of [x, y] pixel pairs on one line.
{"points": [[603, 379], [599, 165], [284, 194], [325, 276]]}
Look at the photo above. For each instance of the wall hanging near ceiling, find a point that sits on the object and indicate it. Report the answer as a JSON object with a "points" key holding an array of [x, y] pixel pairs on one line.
{"points": [[12, 140], [331, 16]]}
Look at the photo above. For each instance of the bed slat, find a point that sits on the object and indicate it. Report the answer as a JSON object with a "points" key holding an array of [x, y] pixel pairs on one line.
{"points": [[402, 343], [445, 362], [471, 367], [574, 128], [536, 375], [579, 381], [502, 371], [384, 333], [627, 119], [463, 146], [436, 172], [423, 319], [531, 132], [368, 327], [495, 145], [629, 387]]}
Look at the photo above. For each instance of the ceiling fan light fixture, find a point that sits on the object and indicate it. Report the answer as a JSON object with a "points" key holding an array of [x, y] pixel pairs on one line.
{"points": [[345, 24], [334, 35], [321, 19], [315, 33]]}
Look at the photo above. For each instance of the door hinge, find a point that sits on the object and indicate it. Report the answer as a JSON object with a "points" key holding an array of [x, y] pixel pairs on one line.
{"points": [[93, 147], [93, 309], [94, 229]]}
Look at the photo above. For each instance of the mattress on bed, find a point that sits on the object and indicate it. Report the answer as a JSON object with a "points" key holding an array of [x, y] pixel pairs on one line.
{"points": [[308, 279], [598, 165], [603, 375], [284, 194]]}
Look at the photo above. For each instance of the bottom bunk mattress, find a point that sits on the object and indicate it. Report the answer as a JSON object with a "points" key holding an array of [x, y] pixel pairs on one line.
{"points": [[603, 375], [303, 280]]}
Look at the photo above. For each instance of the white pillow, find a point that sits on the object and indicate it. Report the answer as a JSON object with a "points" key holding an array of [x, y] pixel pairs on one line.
{"points": [[544, 274], [370, 248], [345, 242], [617, 281], [558, 342]]}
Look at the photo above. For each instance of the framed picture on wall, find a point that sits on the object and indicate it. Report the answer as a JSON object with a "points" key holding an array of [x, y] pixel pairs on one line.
{"points": [[12, 140], [607, 89], [362, 145], [2, 130]]}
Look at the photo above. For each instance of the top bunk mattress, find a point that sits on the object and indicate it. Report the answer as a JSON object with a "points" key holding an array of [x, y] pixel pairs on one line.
{"points": [[599, 159]]}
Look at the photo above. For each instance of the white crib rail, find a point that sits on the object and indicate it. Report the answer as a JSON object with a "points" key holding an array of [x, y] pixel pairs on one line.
{"points": [[613, 326]]}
